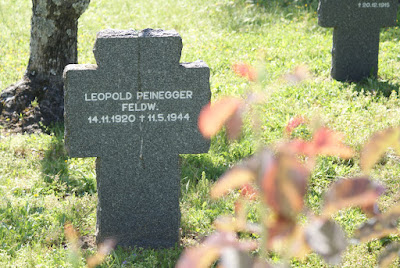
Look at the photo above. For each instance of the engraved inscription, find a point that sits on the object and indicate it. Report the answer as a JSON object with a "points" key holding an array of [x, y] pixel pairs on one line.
{"points": [[131, 118], [374, 5], [148, 111]]}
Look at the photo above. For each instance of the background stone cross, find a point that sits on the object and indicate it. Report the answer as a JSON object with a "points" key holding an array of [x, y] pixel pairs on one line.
{"points": [[136, 111], [357, 25]]}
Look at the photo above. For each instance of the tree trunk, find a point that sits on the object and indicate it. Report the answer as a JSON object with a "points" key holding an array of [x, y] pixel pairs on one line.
{"points": [[53, 45]]}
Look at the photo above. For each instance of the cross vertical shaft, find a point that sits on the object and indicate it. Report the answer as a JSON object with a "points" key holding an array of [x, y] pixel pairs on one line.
{"points": [[137, 206], [355, 53]]}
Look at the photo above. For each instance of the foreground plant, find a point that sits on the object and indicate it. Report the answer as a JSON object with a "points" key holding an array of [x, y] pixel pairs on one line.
{"points": [[278, 177], [74, 256]]}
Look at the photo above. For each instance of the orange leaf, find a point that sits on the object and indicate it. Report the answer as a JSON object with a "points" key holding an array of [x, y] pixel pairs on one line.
{"points": [[377, 146], [199, 257], [231, 224], [284, 185], [371, 210], [103, 250], [279, 229], [232, 179], [72, 237], [245, 70], [299, 74], [351, 192], [70, 233], [234, 125], [213, 117], [210, 250]]}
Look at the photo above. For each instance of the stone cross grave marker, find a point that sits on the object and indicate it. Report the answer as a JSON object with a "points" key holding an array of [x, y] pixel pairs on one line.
{"points": [[357, 25], [136, 111]]}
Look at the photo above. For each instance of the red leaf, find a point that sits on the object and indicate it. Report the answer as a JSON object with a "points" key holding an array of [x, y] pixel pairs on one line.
{"points": [[299, 147], [213, 117], [294, 123], [325, 142], [245, 70], [351, 192], [248, 192]]}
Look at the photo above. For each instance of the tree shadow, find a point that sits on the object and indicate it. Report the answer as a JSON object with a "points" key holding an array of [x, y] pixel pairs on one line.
{"points": [[392, 32], [222, 155], [193, 166], [55, 169], [242, 15], [377, 87], [313, 4]]}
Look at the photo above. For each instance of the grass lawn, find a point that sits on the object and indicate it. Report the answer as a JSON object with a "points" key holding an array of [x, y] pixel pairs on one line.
{"points": [[41, 188]]}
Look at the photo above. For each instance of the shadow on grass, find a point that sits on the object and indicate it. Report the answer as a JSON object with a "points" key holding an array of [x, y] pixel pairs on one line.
{"points": [[288, 3], [243, 15], [223, 154], [193, 166], [55, 171], [391, 33], [374, 86], [139, 257]]}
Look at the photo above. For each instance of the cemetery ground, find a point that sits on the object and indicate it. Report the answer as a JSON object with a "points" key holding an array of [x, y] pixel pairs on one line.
{"points": [[42, 189]]}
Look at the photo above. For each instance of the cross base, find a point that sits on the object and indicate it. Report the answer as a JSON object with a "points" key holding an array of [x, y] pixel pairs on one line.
{"points": [[129, 209], [355, 53]]}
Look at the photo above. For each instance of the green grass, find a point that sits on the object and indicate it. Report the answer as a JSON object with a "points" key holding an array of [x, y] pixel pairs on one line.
{"points": [[41, 188]]}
